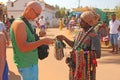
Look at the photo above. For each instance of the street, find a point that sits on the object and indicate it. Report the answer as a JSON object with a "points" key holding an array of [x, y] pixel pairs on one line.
{"points": [[51, 69]]}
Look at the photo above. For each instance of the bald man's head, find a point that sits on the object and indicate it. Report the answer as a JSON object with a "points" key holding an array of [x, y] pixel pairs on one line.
{"points": [[32, 10], [34, 4]]}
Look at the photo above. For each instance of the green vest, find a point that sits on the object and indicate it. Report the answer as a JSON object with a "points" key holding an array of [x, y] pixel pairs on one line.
{"points": [[24, 59]]}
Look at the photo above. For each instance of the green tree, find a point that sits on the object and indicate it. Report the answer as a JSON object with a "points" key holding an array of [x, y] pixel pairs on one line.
{"points": [[57, 7], [60, 13], [57, 14], [117, 10], [3, 11]]}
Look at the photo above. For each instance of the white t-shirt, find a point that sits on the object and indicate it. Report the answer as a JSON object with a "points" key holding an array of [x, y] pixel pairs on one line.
{"points": [[42, 22], [114, 26], [2, 26]]}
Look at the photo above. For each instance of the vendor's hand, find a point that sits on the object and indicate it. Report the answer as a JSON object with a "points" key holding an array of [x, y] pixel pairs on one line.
{"points": [[60, 37]]}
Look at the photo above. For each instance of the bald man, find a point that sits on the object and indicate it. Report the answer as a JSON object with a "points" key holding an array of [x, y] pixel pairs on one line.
{"points": [[24, 43], [3, 63]]}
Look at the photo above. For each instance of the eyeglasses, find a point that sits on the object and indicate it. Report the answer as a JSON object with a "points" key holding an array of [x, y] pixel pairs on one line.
{"points": [[37, 14]]}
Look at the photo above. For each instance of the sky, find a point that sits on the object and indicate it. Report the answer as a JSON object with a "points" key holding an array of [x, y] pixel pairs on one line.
{"points": [[102, 4]]}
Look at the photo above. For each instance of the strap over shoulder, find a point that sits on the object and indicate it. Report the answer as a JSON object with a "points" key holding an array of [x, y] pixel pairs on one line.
{"points": [[28, 24]]}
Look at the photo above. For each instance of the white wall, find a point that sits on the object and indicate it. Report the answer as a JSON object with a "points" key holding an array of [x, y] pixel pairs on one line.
{"points": [[19, 6]]}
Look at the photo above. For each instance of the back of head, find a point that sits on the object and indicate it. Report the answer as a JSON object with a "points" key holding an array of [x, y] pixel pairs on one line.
{"points": [[90, 17]]}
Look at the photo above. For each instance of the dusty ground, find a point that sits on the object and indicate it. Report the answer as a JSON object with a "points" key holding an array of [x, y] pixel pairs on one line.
{"points": [[52, 69]]}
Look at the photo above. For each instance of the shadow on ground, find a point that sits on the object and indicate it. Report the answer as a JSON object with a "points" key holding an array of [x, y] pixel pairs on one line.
{"points": [[13, 76], [110, 61], [109, 58]]}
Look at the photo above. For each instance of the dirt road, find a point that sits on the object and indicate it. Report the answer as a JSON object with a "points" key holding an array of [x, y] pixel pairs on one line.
{"points": [[51, 69]]}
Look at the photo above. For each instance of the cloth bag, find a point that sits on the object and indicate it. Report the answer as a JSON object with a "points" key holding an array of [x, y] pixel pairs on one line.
{"points": [[42, 50], [59, 53]]}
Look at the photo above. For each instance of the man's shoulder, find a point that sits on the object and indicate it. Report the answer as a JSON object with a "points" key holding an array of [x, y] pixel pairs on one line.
{"points": [[18, 21], [1, 22], [18, 24]]}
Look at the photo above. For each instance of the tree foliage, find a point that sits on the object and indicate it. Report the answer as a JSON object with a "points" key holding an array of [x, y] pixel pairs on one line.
{"points": [[60, 12], [2, 9], [117, 10]]}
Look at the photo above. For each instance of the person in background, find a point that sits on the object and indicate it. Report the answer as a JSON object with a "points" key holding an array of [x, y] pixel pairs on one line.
{"points": [[12, 19], [60, 24], [47, 22], [72, 22], [3, 29], [66, 22], [3, 62], [42, 23], [119, 38], [114, 24], [103, 32], [37, 22], [25, 46], [7, 24], [82, 60]]}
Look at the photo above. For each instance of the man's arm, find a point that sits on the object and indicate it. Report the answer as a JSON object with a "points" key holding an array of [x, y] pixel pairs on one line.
{"points": [[69, 42], [119, 28], [19, 29], [2, 54]]}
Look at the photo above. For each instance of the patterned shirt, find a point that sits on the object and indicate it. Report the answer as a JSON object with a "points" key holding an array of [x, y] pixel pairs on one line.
{"points": [[90, 43]]}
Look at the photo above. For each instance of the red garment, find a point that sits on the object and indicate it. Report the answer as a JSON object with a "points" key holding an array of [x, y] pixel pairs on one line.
{"points": [[7, 23], [38, 25]]}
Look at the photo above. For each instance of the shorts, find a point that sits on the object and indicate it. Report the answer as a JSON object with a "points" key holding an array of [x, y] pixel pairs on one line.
{"points": [[5, 73], [42, 26], [114, 39], [29, 73]]}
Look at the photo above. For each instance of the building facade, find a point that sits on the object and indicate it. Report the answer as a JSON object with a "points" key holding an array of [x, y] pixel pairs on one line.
{"points": [[16, 8]]}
